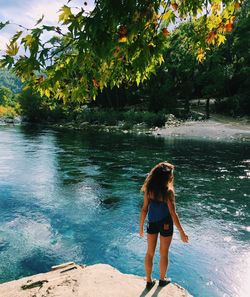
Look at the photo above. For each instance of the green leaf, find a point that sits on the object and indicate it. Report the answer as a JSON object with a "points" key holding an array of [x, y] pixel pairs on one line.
{"points": [[40, 20], [12, 49], [138, 78], [27, 40], [48, 28], [16, 36], [168, 15], [161, 59], [221, 39], [2, 25], [65, 14], [47, 92], [6, 61]]}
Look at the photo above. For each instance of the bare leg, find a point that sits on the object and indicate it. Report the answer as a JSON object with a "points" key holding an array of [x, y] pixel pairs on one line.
{"points": [[152, 241], [164, 248]]}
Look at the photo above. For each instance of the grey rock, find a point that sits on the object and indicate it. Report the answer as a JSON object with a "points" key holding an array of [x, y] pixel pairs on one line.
{"points": [[9, 120], [83, 124]]}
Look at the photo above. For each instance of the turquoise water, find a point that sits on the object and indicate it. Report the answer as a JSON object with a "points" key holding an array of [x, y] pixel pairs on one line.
{"points": [[74, 196]]}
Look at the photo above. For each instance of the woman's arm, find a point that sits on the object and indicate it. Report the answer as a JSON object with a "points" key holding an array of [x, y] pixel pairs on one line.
{"points": [[144, 212], [175, 217]]}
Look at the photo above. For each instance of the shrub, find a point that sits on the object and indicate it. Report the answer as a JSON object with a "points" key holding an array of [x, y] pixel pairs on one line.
{"points": [[38, 109], [7, 111], [111, 117]]}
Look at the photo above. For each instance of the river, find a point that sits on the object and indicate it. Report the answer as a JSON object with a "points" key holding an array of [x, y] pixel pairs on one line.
{"points": [[70, 195]]}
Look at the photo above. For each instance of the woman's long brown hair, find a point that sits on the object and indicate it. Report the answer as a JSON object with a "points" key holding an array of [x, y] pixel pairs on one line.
{"points": [[158, 181]]}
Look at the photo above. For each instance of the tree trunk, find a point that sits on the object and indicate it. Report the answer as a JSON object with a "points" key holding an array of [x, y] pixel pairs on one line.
{"points": [[187, 105], [207, 109]]}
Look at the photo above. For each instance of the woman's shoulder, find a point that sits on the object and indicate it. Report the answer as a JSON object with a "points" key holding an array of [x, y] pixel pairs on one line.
{"points": [[170, 194]]}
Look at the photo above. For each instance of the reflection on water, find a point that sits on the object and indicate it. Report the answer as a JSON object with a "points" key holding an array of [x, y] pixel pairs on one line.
{"points": [[74, 196]]}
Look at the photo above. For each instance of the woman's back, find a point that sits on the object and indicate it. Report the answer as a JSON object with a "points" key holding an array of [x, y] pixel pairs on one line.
{"points": [[157, 210]]}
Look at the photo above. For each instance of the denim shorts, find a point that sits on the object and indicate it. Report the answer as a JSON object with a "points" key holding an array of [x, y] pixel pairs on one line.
{"points": [[164, 227]]}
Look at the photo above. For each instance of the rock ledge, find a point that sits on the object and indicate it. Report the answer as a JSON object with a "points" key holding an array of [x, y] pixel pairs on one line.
{"points": [[98, 280]]}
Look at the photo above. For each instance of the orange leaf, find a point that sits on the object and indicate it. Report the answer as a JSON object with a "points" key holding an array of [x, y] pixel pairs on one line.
{"points": [[116, 51], [175, 6], [237, 5], [211, 37], [122, 30], [95, 83], [216, 7], [165, 32], [200, 55], [123, 39], [229, 27]]}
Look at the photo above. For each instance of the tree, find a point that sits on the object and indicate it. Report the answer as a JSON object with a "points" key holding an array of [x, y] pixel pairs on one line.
{"points": [[6, 96], [118, 43], [40, 109], [10, 81], [223, 74]]}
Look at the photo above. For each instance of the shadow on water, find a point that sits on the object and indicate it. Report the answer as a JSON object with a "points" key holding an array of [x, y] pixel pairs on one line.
{"points": [[110, 202], [38, 262]]}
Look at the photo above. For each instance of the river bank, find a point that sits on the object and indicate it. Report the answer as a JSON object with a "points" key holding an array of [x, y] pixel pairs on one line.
{"points": [[209, 129], [98, 280], [218, 127]]}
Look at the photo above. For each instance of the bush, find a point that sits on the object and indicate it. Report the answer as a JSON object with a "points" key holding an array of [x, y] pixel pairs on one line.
{"points": [[95, 116], [38, 109], [7, 111], [154, 119], [111, 117]]}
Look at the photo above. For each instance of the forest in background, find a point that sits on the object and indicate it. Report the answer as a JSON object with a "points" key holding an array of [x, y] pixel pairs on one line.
{"points": [[223, 76]]}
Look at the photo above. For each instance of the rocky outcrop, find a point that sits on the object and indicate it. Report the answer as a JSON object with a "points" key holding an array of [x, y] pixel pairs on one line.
{"points": [[11, 120], [99, 280]]}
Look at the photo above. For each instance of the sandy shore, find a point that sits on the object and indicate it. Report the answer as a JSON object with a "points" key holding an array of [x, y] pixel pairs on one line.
{"points": [[210, 129], [98, 280]]}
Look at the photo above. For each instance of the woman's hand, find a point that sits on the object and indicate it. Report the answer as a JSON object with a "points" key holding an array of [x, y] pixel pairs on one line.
{"points": [[141, 232], [184, 236]]}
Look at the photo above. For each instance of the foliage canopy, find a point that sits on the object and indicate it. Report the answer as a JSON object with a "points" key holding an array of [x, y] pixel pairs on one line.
{"points": [[117, 43]]}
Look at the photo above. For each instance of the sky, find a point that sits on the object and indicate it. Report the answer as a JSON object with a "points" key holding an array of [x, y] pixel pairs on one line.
{"points": [[27, 12]]}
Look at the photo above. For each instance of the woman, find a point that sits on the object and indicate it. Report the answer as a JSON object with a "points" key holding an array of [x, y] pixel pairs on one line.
{"points": [[159, 204]]}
